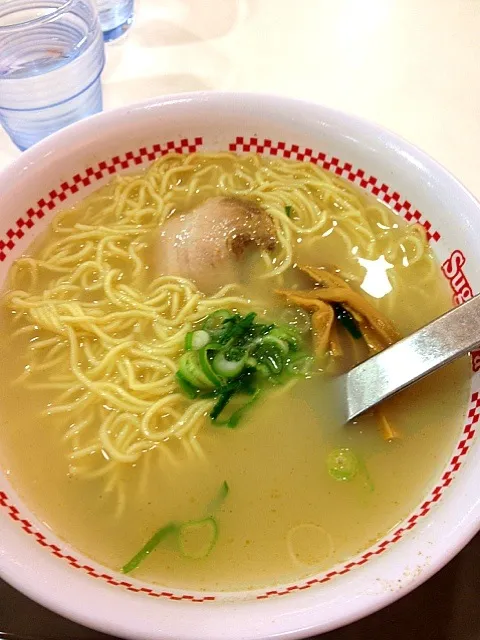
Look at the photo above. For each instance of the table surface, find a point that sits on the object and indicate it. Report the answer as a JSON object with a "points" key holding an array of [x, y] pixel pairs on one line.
{"points": [[409, 65]]}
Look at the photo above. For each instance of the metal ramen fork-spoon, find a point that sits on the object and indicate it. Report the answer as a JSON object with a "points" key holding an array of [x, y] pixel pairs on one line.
{"points": [[435, 345]]}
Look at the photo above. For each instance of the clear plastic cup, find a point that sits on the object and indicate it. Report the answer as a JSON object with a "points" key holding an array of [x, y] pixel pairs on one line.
{"points": [[51, 57], [116, 16]]}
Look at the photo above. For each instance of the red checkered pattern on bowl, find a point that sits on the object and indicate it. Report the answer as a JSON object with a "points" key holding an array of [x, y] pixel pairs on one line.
{"points": [[88, 177], [264, 147], [55, 550], [345, 170]]}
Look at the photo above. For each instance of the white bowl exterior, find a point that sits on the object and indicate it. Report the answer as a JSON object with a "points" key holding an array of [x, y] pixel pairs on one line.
{"points": [[51, 572]]}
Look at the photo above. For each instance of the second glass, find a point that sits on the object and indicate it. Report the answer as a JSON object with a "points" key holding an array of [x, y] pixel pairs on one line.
{"points": [[51, 58], [116, 16]]}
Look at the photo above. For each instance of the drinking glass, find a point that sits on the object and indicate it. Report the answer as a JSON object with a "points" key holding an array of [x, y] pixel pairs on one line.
{"points": [[51, 58], [116, 16]]}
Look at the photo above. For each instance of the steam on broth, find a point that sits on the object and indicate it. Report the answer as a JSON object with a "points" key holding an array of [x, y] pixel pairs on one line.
{"points": [[124, 427]]}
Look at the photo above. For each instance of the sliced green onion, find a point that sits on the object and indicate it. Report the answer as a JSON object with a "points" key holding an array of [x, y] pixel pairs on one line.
{"points": [[216, 319], [228, 368], [270, 355], [189, 341], [188, 388], [247, 321], [246, 382], [196, 339], [231, 354], [342, 464], [347, 320], [288, 210], [147, 549], [206, 365], [223, 400], [192, 372], [261, 329], [197, 538], [217, 502], [262, 370], [286, 334], [277, 341], [242, 384], [234, 419], [237, 328]]}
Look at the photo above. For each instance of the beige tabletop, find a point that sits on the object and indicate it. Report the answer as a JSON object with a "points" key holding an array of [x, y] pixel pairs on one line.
{"points": [[410, 65]]}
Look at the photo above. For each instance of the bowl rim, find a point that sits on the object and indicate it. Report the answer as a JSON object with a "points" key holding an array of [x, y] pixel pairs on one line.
{"points": [[46, 148]]}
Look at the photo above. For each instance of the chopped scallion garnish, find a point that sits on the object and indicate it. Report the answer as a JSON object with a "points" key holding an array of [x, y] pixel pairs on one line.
{"points": [[226, 367], [342, 464], [187, 387], [196, 339], [223, 400], [214, 322], [196, 538], [219, 499], [232, 355], [154, 541], [193, 373]]}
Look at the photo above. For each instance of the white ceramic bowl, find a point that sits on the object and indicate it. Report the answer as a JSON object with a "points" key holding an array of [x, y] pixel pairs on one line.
{"points": [[63, 169]]}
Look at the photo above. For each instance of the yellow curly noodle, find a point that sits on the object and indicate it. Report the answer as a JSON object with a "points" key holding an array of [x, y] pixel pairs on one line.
{"points": [[104, 333]]}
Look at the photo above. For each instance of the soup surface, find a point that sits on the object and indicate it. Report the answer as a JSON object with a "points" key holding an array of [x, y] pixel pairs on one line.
{"points": [[104, 446]]}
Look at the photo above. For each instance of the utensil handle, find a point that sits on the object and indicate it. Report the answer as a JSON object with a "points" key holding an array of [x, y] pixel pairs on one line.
{"points": [[435, 345]]}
